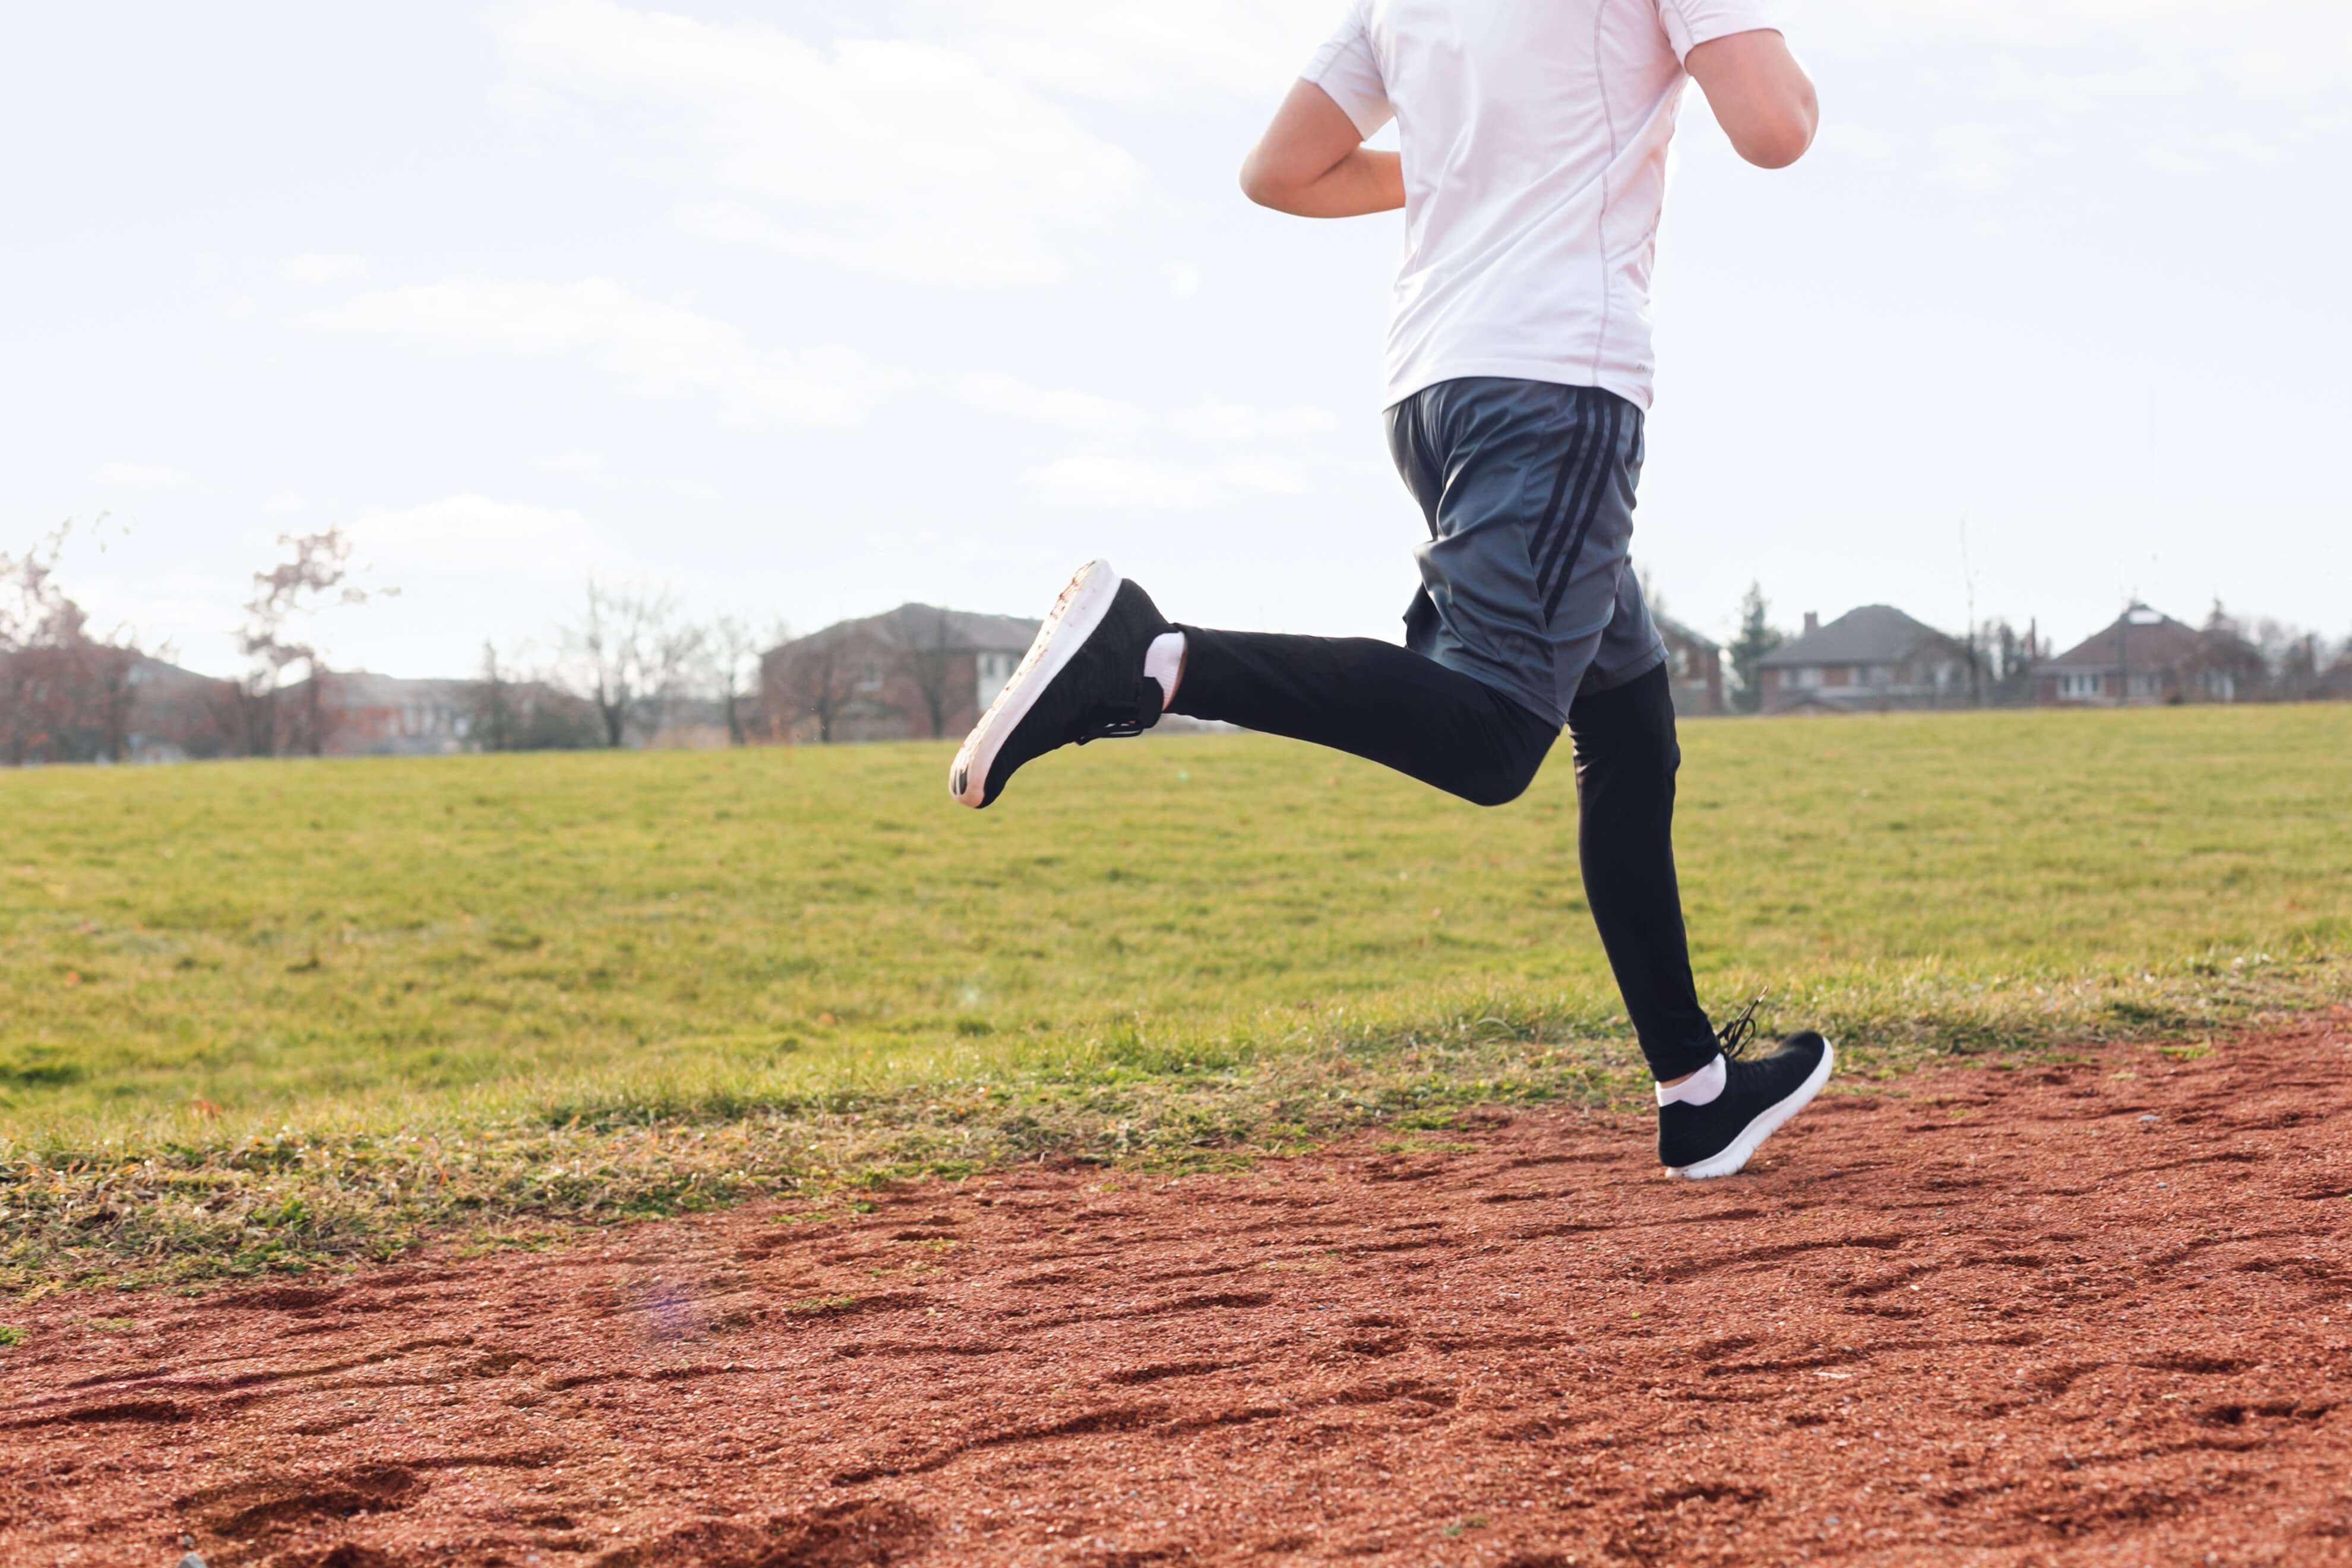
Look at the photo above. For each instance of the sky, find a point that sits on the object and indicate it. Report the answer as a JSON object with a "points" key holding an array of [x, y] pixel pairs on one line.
{"points": [[813, 308]]}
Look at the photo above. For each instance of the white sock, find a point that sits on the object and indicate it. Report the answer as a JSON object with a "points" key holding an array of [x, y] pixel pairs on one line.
{"points": [[1163, 661], [1701, 1088]]}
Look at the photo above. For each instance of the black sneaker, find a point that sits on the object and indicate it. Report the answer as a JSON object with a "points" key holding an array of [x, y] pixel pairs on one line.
{"points": [[1759, 1098], [1082, 679]]}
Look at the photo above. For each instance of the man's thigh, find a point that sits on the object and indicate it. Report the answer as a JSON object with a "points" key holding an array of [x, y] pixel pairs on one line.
{"points": [[1527, 489]]}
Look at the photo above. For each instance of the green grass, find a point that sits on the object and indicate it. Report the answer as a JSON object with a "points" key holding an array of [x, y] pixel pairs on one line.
{"points": [[268, 1015]]}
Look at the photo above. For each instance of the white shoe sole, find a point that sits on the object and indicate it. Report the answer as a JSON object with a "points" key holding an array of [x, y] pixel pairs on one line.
{"points": [[1071, 620], [1768, 1121]]}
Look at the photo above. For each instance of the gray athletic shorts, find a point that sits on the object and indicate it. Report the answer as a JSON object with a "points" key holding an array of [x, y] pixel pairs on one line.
{"points": [[1529, 490]]}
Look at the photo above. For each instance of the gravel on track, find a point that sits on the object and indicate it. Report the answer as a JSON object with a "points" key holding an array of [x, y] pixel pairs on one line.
{"points": [[2096, 1310]]}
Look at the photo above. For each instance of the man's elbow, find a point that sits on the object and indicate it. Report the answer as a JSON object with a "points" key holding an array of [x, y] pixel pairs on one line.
{"points": [[1261, 184], [1777, 141], [1777, 146]]}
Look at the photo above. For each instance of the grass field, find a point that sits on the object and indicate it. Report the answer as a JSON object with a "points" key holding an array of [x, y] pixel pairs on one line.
{"points": [[265, 1015]]}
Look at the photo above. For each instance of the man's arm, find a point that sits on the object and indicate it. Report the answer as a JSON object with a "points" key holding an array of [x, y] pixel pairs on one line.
{"points": [[1312, 163], [1761, 95]]}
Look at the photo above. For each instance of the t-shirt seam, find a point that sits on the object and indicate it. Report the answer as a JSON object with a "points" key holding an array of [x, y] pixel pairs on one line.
{"points": [[1680, 45], [1601, 225]]}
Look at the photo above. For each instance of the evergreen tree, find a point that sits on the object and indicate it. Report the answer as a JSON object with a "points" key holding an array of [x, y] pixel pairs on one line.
{"points": [[1757, 637]]}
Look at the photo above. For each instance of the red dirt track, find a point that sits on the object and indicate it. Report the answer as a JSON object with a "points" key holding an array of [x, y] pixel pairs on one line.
{"points": [[2087, 1313]]}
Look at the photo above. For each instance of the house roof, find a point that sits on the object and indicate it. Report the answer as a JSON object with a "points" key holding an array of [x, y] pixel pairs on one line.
{"points": [[364, 689], [2157, 641], [1675, 629], [928, 626], [1875, 634], [161, 676]]}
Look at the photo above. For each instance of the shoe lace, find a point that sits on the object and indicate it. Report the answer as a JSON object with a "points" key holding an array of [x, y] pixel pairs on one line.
{"points": [[1733, 1038]]}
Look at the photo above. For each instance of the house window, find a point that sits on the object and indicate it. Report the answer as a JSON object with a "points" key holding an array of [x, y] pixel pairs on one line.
{"points": [[992, 670], [2222, 686], [2078, 685], [1806, 677]]}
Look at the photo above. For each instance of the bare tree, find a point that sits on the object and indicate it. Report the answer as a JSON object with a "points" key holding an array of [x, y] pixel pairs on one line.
{"points": [[66, 693], [635, 650], [514, 707], [734, 652], [1969, 586], [316, 575], [41, 632], [927, 653], [817, 682], [493, 703]]}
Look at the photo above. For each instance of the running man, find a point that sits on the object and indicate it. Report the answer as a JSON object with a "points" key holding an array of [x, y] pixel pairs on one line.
{"points": [[1532, 170]]}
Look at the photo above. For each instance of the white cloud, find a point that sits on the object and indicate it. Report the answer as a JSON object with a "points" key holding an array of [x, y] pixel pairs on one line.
{"points": [[2178, 85], [1139, 51], [1125, 481], [143, 477], [1860, 143], [285, 504], [1211, 420], [313, 269], [654, 349], [470, 535], [906, 158], [1184, 278], [2242, 36], [1081, 411], [1975, 155], [588, 466]]}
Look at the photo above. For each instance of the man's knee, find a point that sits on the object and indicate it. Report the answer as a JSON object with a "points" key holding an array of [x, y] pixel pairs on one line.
{"points": [[1627, 728], [1500, 785], [1520, 740]]}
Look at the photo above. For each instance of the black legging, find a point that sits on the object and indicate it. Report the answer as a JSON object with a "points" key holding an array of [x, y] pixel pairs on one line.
{"points": [[1391, 706]]}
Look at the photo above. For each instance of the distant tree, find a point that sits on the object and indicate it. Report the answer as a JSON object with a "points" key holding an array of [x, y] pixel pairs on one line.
{"points": [[817, 682], [278, 634], [244, 711], [550, 719], [514, 708], [41, 633], [1757, 637], [493, 703], [927, 654], [67, 694], [733, 650], [635, 652], [1652, 595], [2298, 668], [2008, 663]]}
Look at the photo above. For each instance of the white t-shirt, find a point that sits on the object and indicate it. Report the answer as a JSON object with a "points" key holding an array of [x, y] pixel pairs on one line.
{"points": [[1534, 134]]}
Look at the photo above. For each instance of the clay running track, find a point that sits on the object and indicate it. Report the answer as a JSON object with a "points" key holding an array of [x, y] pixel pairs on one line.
{"points": [[2089, 1312]]}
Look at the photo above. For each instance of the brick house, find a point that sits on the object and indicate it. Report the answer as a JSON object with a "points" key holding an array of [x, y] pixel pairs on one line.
{"points": [[179, 714], [1694, 666], [2336, 684], [1869, 660], [388, 716], [2146, 656], [917, 671]]}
